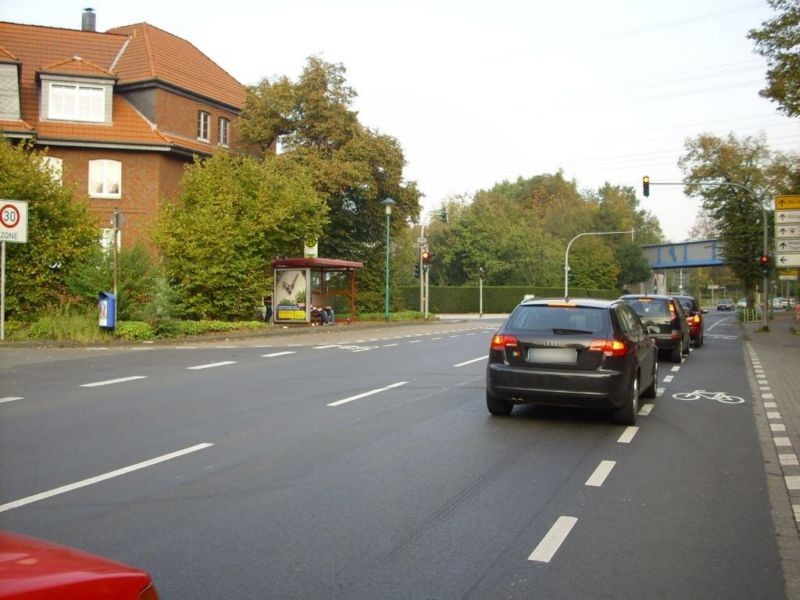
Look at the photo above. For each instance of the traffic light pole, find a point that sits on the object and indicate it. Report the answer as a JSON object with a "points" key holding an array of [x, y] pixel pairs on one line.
{"points": [[764, 283]]}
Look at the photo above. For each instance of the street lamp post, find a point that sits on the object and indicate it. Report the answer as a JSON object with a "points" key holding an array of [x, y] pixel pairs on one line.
{"points": [[566, 255], [388, 203]]}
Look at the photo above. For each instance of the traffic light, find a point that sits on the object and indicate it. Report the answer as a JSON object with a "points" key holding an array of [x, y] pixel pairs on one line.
{"points": [[646, 186], [763, 262], [427, 257], [569, 275], [416, 270], [481, 273]]}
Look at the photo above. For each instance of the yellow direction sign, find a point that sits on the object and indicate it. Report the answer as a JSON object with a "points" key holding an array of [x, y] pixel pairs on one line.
{"points": [[787, 202]]}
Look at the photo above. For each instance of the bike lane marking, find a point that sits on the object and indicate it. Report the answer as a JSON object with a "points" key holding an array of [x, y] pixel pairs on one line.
{"points": [[552, 541], [600, 474]]}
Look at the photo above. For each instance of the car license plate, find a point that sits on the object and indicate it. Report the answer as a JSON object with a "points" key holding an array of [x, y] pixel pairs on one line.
{"points": [[552, 355]]}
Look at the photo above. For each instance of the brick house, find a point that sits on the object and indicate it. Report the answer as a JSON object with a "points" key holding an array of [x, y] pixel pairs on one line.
{"points": [[120, 113]]}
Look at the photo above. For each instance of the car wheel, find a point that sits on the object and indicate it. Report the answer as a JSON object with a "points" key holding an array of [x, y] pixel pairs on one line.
{"points": [[699, 341], [686, 347], [498, 406], [675, 355], [650, 392], [626, 414]]}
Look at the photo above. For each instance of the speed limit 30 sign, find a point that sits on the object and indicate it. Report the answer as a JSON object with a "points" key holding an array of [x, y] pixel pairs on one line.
{"points": [[13, 221]]}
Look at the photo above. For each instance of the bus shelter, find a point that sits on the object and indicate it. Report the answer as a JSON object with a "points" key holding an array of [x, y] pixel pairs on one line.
{"points": [[303, 287]]}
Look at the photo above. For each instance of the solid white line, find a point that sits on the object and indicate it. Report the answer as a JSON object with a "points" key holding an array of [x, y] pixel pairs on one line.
{"points": [[365, 394], [469, 362], [551, 542], [627, 435], [10, 399], [113, 381], [600, 473], [212, 365], [274, 354], [92, 480]]}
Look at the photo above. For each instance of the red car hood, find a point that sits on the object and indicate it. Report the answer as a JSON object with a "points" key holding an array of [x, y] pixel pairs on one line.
{"points": [[33, 569]]}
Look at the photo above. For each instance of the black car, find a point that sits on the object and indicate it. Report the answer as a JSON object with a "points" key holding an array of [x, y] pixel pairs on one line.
{"points": [[665, 321], [694, 318], [577, 352], [726, 304]]}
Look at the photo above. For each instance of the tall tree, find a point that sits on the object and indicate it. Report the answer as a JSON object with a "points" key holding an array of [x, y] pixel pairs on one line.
{"points": [[777, 40], [710, 164], [61, 234], [234, 215], [354, 168]]}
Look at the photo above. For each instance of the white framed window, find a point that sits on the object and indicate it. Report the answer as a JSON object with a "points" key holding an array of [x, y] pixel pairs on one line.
{"points": [[105, 178], [203, 126], [54, 167], [224, 129], [77, 102]]}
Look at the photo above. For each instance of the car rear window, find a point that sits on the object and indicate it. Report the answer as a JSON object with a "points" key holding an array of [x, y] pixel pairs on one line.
{"points": [[687, 303], [649, 307], [566, 318]]}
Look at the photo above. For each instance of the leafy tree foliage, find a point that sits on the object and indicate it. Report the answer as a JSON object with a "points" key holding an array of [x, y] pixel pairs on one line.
{"points": [[736, 213], [137, 280], [233, 217], [61, 234], [518, 232], [777, 40], [353, 168]]}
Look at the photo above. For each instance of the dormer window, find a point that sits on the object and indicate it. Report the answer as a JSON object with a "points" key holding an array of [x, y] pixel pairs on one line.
{"points": [[76, 102]]}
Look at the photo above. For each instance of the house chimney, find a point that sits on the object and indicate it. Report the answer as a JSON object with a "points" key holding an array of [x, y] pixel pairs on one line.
{"points": [[88, 21]]}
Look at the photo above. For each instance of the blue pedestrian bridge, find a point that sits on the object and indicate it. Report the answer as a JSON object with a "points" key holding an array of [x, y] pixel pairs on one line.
{"points": [[683, 255]]}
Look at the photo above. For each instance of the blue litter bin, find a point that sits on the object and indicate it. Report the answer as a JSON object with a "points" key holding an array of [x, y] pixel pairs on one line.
{"points": [[107, 308]]}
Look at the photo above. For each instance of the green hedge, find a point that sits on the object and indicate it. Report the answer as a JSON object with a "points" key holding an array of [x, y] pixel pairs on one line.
{"points": [[496, 299]]}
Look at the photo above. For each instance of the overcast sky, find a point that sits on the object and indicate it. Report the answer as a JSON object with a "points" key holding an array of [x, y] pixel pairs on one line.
{"points": [[481, 92]]}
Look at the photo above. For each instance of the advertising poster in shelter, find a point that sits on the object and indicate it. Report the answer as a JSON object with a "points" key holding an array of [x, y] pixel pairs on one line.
{"points": [[290, 298]]}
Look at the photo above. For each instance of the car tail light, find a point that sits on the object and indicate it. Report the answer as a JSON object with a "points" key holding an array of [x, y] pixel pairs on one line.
{"points": [[672, 312], [695, 319], [609, 347], [502, 341]]}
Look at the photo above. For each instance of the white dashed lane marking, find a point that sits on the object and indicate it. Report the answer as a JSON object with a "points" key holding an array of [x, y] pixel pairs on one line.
{"points": [[551, 542], [113, 381]]}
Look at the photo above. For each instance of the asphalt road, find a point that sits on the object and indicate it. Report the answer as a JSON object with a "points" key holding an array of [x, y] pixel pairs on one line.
{"points": [[363, 464]]}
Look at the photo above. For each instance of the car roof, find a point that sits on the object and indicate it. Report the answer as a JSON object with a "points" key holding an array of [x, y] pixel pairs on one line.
{"points": [[585, 302], [654, 296]]}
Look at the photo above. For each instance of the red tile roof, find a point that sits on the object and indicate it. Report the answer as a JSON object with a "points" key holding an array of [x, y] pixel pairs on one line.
{"points": [[133, 54], [156, 54]]}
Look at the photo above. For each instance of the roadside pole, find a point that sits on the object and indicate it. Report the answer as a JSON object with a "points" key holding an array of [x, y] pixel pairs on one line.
{"points": [[13, 228]]}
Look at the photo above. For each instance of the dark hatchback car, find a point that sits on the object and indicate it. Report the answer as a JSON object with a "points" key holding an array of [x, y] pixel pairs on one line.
{"points": [[665, 320], [694, 318], [726, 304], [579, 353]]}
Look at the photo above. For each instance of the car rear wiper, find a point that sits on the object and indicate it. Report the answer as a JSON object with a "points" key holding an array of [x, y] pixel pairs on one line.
{"points": [[562, 330]]}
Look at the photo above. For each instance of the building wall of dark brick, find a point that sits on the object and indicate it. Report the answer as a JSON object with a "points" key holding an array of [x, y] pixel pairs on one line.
{"points": [[147, 177]]}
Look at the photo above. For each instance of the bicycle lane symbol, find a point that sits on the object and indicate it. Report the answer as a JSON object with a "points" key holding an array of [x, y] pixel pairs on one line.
{"points": [[718, 396]]}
